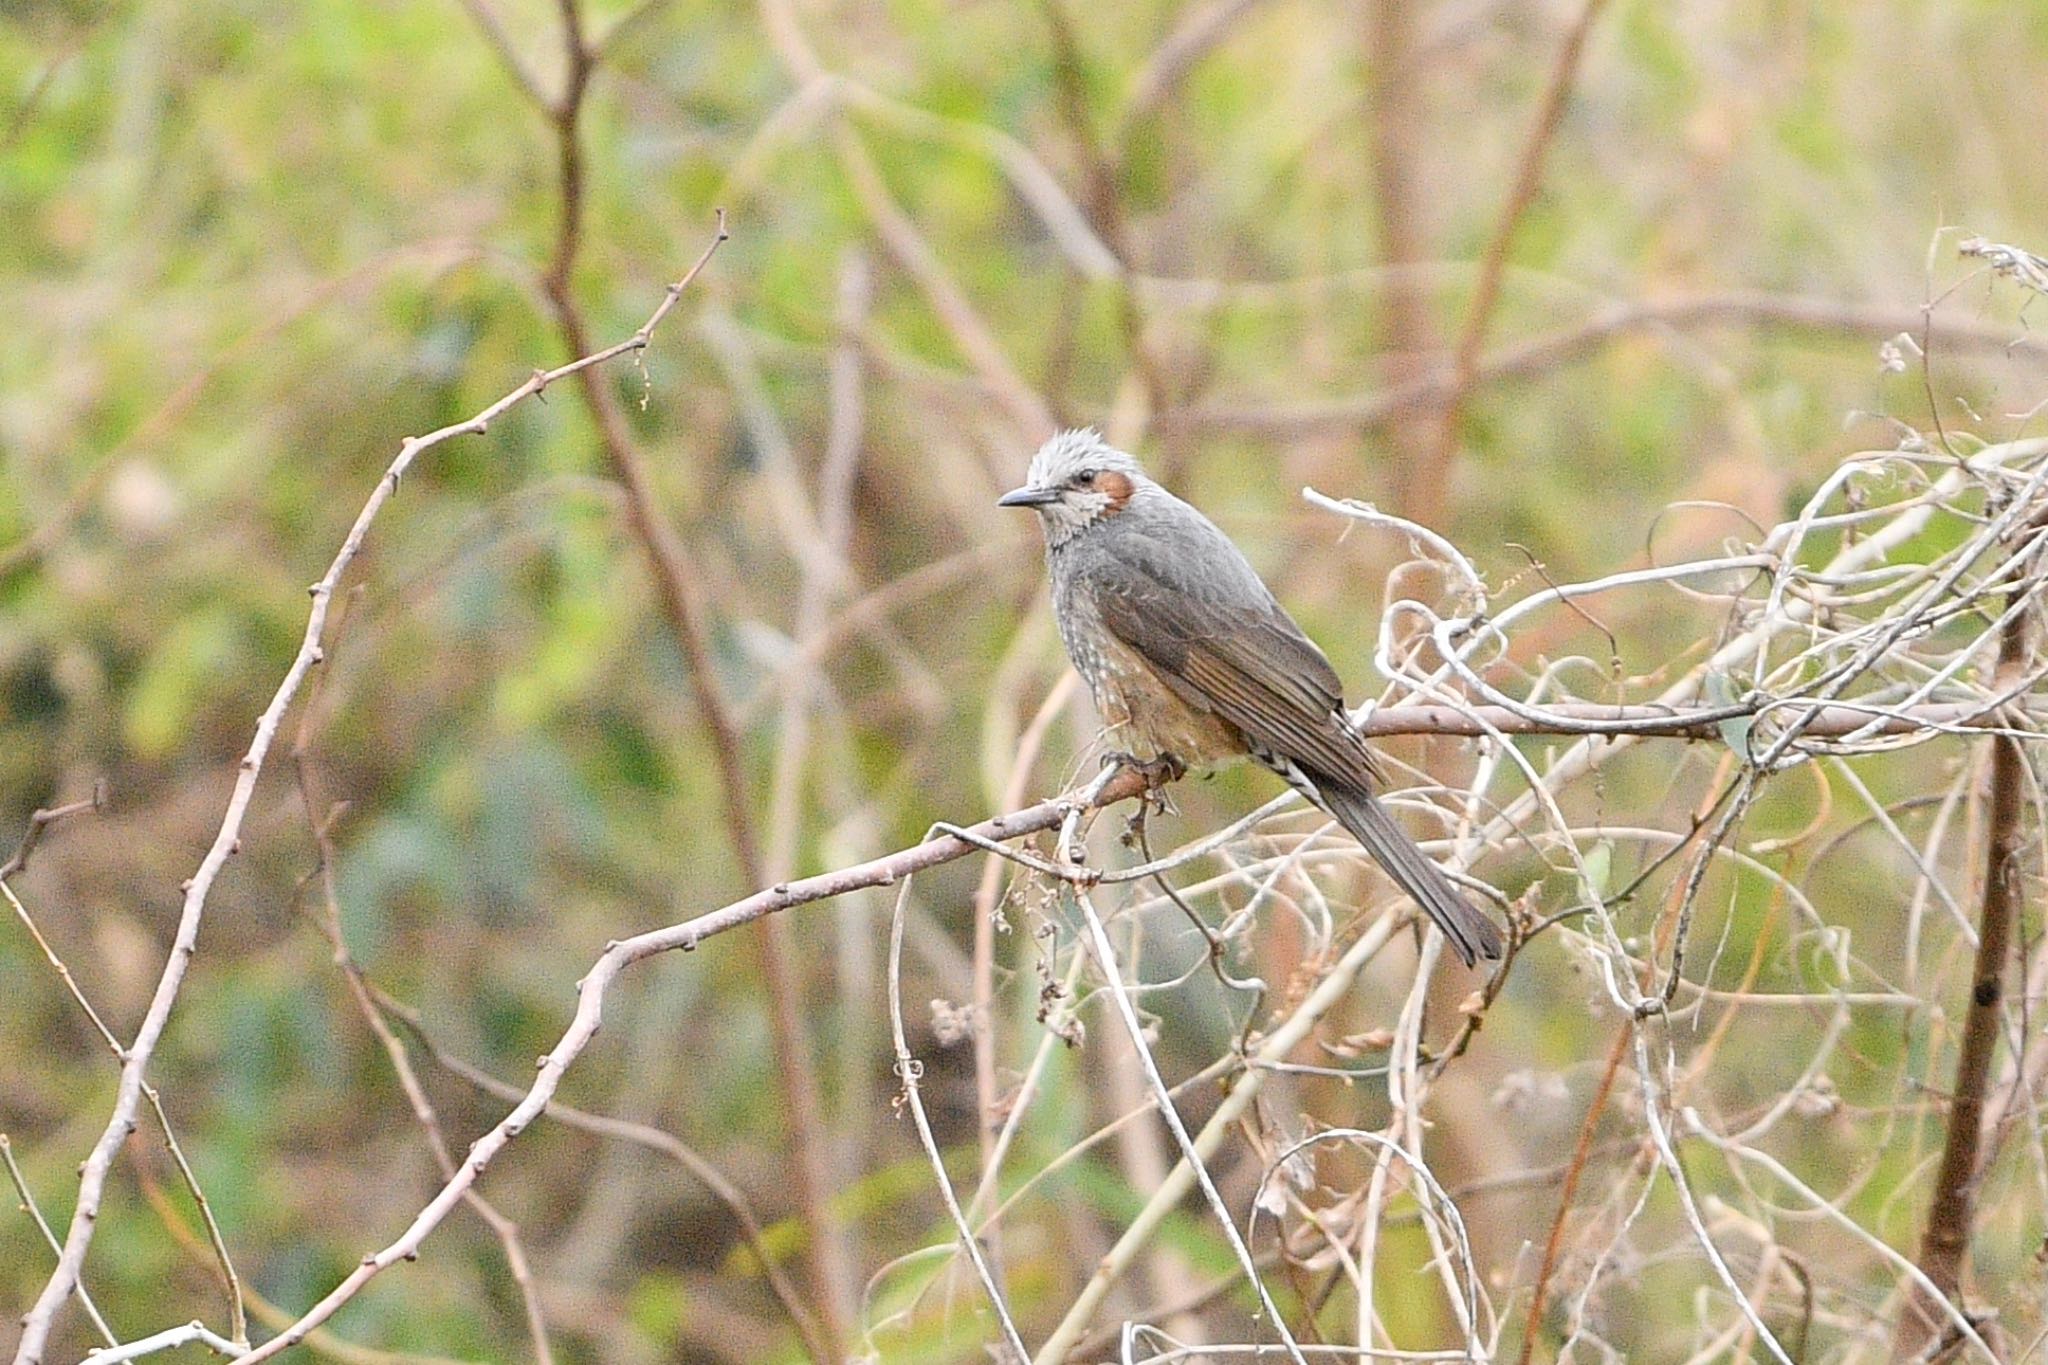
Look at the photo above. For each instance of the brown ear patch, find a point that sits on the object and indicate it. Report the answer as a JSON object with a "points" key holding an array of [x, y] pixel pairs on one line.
{"points": [[1115, 486]]}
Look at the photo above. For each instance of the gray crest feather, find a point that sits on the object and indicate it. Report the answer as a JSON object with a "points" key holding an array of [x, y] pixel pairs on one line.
{"points": [[1070, 452]]}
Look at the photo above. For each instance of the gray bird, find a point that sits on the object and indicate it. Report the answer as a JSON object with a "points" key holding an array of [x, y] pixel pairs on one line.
{"points": [[1192, 662]]}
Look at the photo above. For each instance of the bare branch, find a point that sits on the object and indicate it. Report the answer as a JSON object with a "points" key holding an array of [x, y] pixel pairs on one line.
{"points": [[35, 1213], [1541, 355], [687, 936], [1952, 1203], [493, 28], [41, 821]]}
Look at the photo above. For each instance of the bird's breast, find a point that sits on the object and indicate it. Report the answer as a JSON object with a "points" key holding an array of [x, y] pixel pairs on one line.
{"points": [[1143, 714]]}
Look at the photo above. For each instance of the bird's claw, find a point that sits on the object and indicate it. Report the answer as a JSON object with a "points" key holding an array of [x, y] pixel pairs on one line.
{"points": [[1157, 772]]}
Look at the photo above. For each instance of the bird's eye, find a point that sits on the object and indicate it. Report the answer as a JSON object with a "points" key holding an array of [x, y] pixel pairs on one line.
{"points": [[1085, 477]]}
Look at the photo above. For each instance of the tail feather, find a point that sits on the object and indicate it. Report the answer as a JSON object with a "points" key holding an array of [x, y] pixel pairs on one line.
{"points": [[1471, 933]]}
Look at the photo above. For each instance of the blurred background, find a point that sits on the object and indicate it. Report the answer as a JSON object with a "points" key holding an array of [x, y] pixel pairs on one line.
{"points": [[742, 608]]}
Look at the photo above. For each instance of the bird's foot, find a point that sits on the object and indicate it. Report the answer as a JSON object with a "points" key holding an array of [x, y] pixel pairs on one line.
{"points": [[1157, 772]]}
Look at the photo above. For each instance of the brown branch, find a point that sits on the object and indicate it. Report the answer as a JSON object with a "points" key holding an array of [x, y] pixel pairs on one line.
{"points": [[567, 115], [501, 45], [971, 334], [675, 580], [37, 1323], [41, 821], [1198, 33], [1668, 928], [1430, 479], [1582, 1151], [1407, 332], [1952, 1206], [1597, 718], [624, 27], [1543, 354]]}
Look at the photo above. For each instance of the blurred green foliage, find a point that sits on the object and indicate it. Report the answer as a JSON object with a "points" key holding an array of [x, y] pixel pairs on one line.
{"points": [[246, 248]]}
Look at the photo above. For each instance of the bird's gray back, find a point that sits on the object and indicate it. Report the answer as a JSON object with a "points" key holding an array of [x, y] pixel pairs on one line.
{"points": [[1160, 578], [1186, 580], [1171, 542]]}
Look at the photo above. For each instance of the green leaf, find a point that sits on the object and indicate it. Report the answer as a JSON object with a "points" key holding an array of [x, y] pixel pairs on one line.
{"points": [[1735, 731]]}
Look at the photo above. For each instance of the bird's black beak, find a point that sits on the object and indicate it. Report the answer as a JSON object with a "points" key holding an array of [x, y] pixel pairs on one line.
{"points": [[1028, 496]]}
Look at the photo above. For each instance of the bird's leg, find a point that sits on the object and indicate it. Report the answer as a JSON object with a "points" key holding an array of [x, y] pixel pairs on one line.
{"points": [[1157, 772]]}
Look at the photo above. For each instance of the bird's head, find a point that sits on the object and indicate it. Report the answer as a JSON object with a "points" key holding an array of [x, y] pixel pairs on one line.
{"points": [[1076, 481]]}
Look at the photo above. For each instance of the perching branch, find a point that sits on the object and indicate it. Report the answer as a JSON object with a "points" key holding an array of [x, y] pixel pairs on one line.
{"points": [[590, 993]]}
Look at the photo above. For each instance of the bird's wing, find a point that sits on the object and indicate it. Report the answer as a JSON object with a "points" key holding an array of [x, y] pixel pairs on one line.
{"points": [[1226, 646]]}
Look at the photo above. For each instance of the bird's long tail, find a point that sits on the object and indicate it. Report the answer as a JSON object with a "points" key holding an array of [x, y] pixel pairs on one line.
{"points": [[1471, 933]]}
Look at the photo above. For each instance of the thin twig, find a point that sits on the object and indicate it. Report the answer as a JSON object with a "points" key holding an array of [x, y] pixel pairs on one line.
{"points": [[1582, 1150], [35, 1213], [1197, 33], [1022, 765], [321, 824], [1275, 1047], [40, 822], [1545, 354], [909, 1071], [1493, 262], [231, 1282], [493, 28]]}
